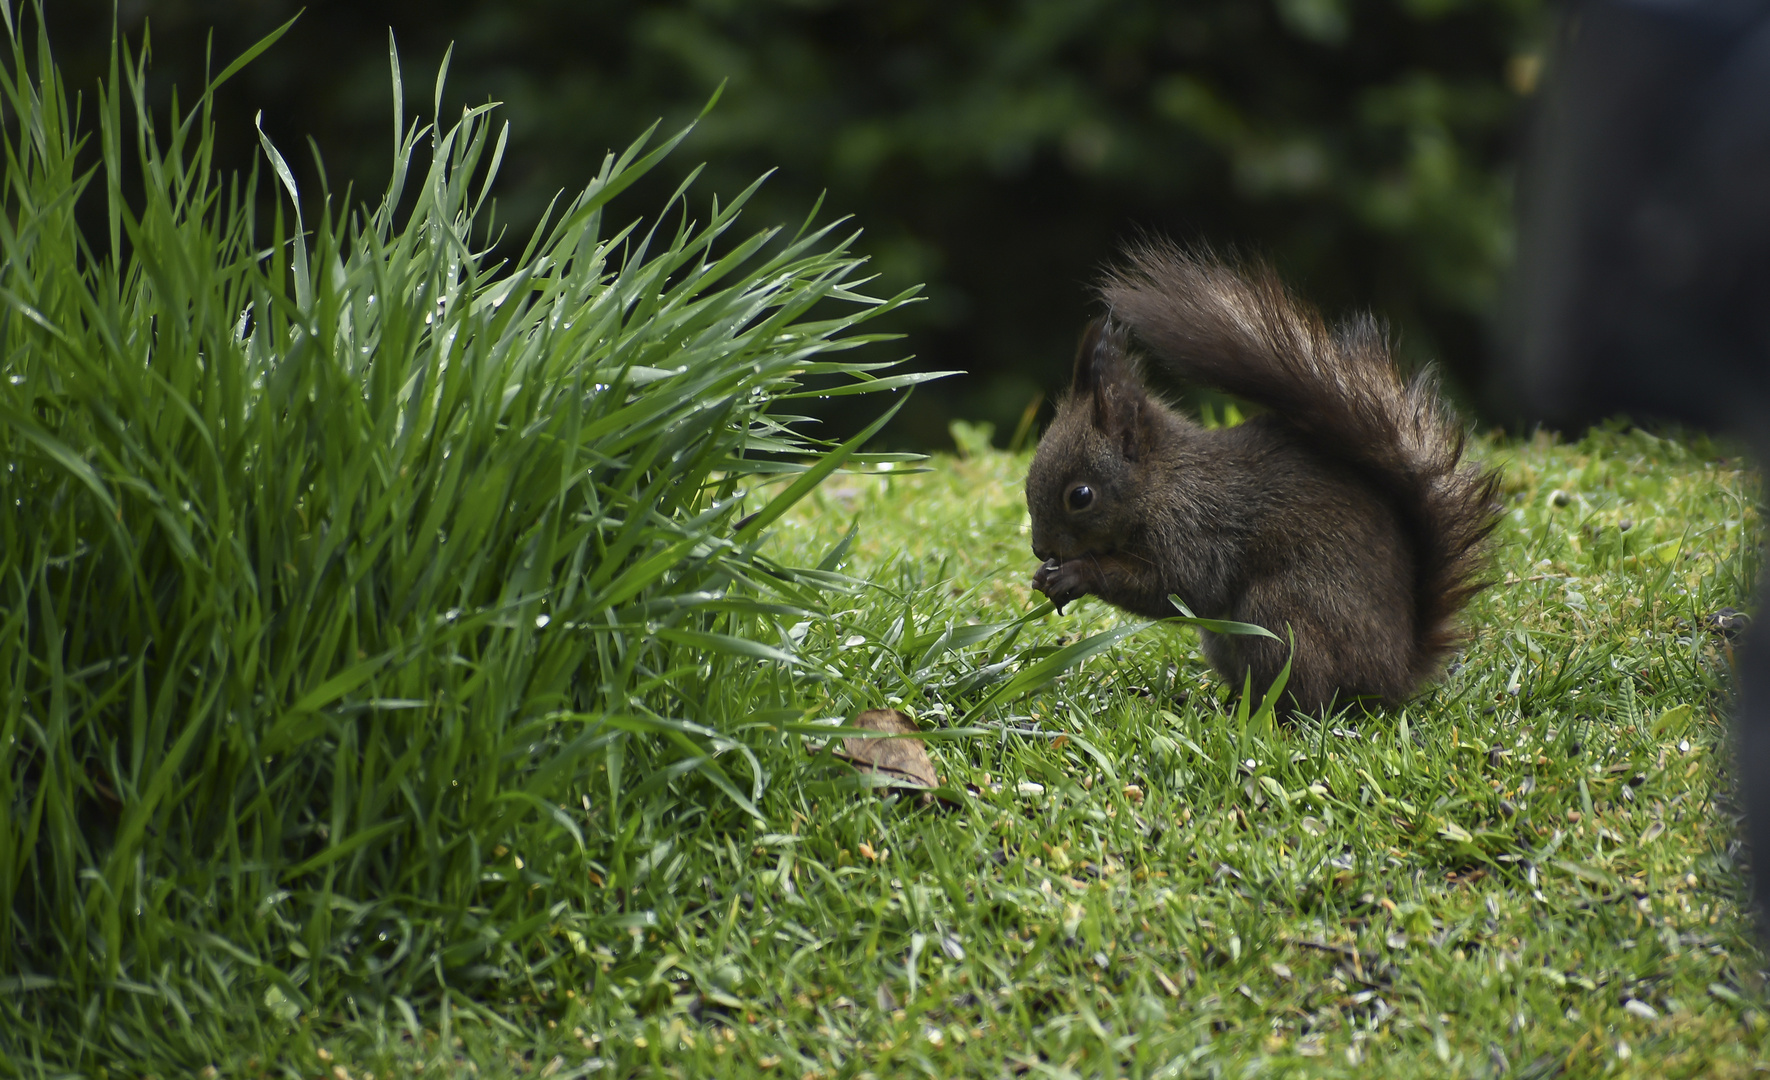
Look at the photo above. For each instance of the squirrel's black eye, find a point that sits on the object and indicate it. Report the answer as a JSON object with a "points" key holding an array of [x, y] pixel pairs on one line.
{"points": [[1081, 497]]}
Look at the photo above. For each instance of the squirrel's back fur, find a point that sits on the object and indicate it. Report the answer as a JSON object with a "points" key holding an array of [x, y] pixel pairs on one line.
{"points": [[1346, 512]]}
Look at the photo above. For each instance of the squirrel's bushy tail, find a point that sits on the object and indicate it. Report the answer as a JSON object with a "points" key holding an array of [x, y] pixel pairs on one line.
{"points": [[1245, 334]]}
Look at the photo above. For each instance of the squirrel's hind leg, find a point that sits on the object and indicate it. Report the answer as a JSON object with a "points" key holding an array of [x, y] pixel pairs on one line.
{"points": [[1338, 656], [1256, 663]]}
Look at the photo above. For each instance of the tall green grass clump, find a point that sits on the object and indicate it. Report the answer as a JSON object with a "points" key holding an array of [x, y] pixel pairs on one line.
{"points": [[357, 584]]}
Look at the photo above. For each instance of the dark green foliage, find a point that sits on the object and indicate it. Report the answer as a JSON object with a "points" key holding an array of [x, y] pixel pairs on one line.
{"points": [[998, 151]]}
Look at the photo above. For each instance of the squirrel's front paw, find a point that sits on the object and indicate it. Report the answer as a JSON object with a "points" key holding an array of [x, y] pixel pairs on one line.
{"points": [[1061, 582]]}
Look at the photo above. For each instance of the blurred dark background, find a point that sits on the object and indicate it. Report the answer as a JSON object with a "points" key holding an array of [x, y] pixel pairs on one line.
{"points": [[997, 151]]}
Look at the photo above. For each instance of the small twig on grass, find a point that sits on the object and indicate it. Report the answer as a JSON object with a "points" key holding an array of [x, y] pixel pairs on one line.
{"points": [[1538, 577], [1323, 946]]}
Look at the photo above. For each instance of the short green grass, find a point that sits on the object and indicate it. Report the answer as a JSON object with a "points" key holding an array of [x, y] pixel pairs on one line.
{"points": [[1530, 871]]}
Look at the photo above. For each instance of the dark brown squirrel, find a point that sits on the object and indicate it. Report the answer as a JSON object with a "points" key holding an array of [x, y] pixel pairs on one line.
{"points": [[1344, 515]]}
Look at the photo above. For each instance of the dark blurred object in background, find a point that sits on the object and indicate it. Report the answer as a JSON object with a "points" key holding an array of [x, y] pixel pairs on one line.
{"points": [[1644, 273], [998, 151]]}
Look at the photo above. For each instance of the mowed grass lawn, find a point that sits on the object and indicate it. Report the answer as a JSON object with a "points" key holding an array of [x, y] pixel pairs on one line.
{"points": [[1532, 870]]}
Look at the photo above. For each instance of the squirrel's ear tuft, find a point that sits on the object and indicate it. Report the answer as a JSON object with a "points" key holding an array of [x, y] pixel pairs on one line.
{"points": [[1105, 377], [1100, 357]]}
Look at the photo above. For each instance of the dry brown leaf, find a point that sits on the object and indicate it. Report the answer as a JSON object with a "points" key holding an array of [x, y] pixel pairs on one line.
{"points": [[904, 760]]}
